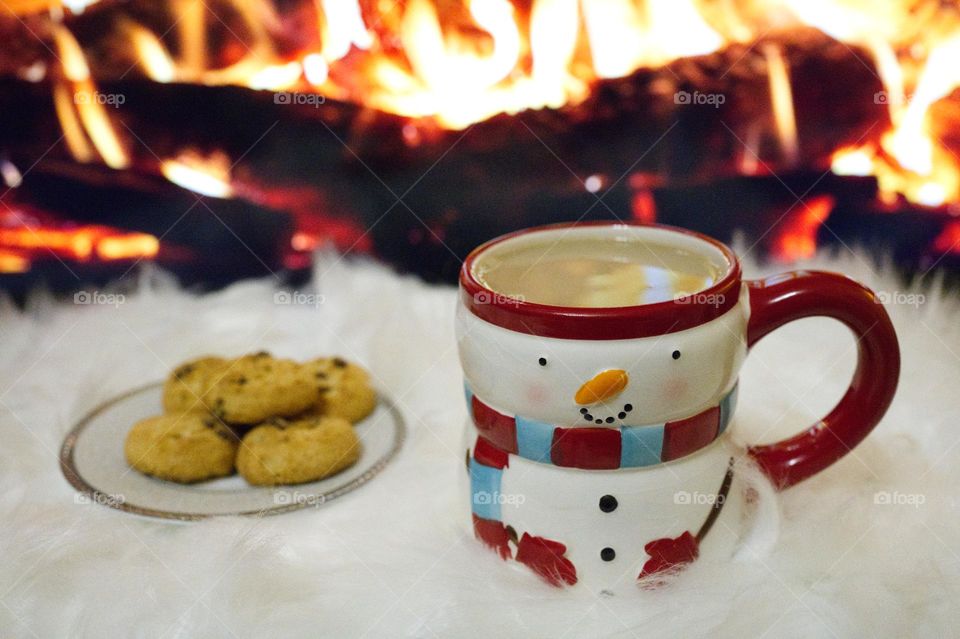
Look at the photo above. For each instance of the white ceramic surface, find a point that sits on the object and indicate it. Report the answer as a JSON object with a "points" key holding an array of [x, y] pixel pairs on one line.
{"points": [[671, 376]]}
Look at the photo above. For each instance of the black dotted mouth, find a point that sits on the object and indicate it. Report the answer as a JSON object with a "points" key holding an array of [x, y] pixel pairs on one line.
{"points": [[597, 420]]}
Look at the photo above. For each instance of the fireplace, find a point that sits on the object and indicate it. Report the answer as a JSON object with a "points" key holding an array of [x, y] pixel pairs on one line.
{"points": [[230, 139]]}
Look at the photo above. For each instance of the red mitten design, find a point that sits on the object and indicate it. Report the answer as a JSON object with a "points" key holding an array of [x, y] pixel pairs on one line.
{"points": [[668, 553], [494, 534], [545, 557]]}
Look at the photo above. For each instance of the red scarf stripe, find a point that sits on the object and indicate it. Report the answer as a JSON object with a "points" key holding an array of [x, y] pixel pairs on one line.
{"points": [[494, 426]]}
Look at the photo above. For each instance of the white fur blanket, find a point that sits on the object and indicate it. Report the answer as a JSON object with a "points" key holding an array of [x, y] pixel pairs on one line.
{"points": [[395, 557]]}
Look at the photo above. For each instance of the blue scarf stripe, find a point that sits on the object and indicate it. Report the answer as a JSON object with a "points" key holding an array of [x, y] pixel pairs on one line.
{"points": [[640, 446], [485, 490], [727, 406], [534, 439], [468, 393]]}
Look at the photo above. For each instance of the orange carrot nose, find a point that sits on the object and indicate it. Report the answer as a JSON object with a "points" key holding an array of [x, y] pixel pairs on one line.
{"points": [[603, 386]]}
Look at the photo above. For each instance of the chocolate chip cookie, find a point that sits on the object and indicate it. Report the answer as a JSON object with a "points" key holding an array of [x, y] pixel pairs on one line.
{"points": [[297, 451], [186, 386], [254, 388], [185, 447], [344, 389]]}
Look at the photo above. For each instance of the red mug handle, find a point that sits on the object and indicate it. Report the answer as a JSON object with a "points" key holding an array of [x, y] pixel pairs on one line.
{"points": [[780, 299]]}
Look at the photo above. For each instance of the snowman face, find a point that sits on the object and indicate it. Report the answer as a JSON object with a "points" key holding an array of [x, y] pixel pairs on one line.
{"points": [[602, 383]]}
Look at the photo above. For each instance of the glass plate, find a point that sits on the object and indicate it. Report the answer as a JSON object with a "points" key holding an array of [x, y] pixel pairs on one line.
{"points": [[92, 460]]}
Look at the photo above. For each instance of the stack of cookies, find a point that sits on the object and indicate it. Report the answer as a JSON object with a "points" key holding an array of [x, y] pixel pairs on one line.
{"points": [[275, 421]]}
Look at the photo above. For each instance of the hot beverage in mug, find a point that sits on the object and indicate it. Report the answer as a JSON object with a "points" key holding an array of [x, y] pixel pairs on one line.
{"points": [[601, 363]]}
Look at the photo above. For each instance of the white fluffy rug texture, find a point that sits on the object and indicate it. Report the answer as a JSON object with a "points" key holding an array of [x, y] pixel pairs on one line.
{"points": [[395, 558]]}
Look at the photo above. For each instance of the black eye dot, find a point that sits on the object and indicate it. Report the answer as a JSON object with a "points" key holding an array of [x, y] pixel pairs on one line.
{"points": [[676, 354], [543, 361]]}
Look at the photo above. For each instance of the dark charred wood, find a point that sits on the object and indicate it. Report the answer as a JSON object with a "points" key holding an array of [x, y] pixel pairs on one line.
{"points": [[223, 240]]}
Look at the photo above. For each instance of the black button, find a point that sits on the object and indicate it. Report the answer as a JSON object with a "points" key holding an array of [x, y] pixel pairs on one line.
{"points": [[608, 554], [608, 503]]}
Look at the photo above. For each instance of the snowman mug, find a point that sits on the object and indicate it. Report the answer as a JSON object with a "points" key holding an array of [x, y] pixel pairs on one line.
{"points": [[598, 448]]}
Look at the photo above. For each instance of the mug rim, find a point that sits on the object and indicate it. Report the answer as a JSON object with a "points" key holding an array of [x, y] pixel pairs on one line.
{"points": [[601, 323]]}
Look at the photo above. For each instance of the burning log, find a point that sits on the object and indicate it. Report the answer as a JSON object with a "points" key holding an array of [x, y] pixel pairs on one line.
{"points": [[225, 239], [731, 87], [505, 172], [761, 206]]}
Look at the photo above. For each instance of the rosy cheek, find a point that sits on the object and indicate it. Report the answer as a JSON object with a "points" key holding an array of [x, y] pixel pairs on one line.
{"points": [[537, 394], [674, 389]]}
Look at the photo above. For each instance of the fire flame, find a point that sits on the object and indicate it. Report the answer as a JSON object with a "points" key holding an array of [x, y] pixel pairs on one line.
{"points": [[917, 70], [461, 62], [83, 108], [207, 175], [797, 238], [23, 239], [910, 162], [781, 100]]}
